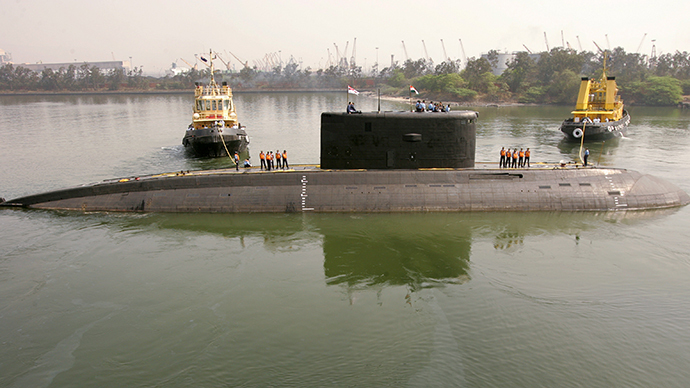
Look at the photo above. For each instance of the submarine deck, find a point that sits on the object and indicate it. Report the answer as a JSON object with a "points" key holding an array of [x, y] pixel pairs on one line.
{"points": [[308, 188]]}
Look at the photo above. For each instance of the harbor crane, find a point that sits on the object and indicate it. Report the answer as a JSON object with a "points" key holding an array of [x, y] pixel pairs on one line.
{"points": [[640, 45], [578, 42], [528, 50], [426, 54], [599, 48], [245, 63], [547, 42], [344, 63], [353, 63], [227, 64], [462, 48], [189, 64], [445, 55], [329, 63], [337, 55], [652, 57], [341, 60], [407, 57]]}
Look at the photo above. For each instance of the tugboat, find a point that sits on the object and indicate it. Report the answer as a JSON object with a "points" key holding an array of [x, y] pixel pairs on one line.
{"points": [[215, 130], [599, 112]]}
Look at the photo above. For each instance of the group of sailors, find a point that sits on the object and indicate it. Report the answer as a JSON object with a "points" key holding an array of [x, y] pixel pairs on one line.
{"points": [[422, 106], [351, 108], [514, 159], [271, 161], [587, 120]]}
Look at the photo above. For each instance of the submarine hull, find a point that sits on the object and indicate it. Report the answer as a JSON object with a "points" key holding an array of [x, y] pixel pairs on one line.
{"points": [[308, 189]]}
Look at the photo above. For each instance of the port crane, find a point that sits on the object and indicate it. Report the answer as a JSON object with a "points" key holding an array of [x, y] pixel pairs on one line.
{"points": [[426, 54], [189, 64], [245, 63], [227, 65], [642, 41], [445, 55], [462, 48]]}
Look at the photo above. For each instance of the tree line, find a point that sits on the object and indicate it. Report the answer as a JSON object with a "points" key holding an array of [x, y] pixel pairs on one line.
{"points": [[551, 77]]}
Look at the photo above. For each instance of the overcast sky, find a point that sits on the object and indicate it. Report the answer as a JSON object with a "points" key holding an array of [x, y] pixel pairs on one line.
{"points": [[157, 33]]}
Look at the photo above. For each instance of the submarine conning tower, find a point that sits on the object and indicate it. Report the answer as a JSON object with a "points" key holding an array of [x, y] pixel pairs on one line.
{"points": [[398, 140]]}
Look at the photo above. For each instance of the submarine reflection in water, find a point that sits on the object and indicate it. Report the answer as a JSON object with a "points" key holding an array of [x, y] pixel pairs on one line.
{"points": [[415, 250], [396, 250]]}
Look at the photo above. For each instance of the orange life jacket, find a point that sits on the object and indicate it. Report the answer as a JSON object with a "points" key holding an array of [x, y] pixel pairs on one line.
{"points": [[277, 155], [508, 154], [522, 154], [515, 154], [503, 152], [527, 154], [284, 155], [262, 156]]}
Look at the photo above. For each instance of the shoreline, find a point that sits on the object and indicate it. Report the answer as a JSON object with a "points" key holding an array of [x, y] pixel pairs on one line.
{"points": [[368, 94]]}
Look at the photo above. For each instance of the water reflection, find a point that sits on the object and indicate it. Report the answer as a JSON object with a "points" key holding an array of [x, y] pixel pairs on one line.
{"points": [[416, 250]]}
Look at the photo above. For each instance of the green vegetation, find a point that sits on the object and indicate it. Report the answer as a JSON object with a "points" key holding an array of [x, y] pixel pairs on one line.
{"points": [[546, 78]]}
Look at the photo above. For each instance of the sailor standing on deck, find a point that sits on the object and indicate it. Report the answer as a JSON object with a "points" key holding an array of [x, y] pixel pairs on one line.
{"points": [[278, 163], [586, 156], [502, 162], [527, 157], [262, 156], [507, 160], [521, 162], [515, 157], [236, 158], [285, 163]]}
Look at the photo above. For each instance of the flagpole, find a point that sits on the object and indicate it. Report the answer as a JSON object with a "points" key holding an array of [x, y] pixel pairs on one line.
{"points": [[379, 93], [410, 98]]}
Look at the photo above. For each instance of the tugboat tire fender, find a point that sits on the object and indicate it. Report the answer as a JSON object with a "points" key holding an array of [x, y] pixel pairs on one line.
{"points": [[577, 133]]}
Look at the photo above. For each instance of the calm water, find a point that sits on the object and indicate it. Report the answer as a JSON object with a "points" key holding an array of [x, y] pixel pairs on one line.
{"points": [[399, 300]]}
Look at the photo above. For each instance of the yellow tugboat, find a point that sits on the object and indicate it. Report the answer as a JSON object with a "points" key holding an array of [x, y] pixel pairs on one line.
{"points": [[599, 112], [215, 130]]}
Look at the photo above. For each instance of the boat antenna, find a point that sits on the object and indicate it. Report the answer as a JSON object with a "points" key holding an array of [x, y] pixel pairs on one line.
{"points": [[209, 63]]}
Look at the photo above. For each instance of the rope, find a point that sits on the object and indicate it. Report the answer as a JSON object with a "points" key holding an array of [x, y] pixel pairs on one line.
{"points": [[226, 147], [582, 140]]}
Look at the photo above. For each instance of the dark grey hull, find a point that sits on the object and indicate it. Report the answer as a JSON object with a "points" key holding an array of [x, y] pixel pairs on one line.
{"points": [[309, 189], [209, 143], [595, 131]]}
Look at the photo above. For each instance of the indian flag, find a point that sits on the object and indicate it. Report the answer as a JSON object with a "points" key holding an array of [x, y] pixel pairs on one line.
{"points": [[412, 89], [351, 90]]}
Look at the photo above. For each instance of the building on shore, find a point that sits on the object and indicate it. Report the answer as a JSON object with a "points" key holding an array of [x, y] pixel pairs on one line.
{"points": [[103, 66], [5, 57]]}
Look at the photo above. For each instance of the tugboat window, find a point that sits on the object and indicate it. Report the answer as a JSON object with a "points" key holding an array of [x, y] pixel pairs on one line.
{"points": [[208, 105], [213, 105], [226, 103]]}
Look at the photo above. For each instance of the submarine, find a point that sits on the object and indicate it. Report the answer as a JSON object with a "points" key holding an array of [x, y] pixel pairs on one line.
{"points": [[377, 162]]}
